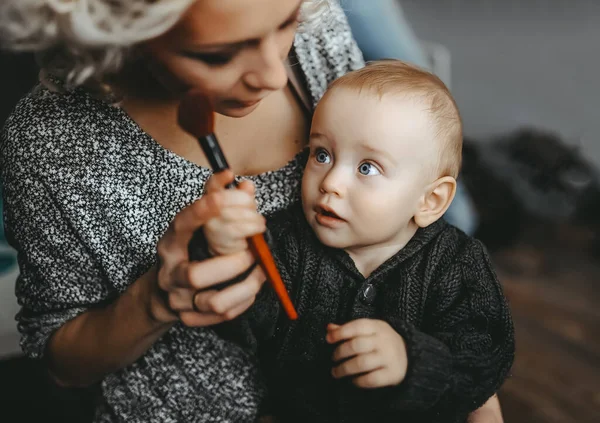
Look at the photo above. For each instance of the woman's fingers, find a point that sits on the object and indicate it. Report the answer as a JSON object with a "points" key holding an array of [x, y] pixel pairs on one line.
{"points": [[213, 307], [218, 302], [180, 299], [237, 294], [195, 319], [183, 279], [200, 275], [212, 271], [239, 309]]}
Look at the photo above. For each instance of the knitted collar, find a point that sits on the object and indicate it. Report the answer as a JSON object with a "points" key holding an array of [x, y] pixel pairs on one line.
{"points": [[422, 237]]}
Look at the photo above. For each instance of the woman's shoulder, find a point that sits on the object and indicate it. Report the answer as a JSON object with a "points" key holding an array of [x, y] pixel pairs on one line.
{"points": [[49, 127], [44, 109], [326, 49]]}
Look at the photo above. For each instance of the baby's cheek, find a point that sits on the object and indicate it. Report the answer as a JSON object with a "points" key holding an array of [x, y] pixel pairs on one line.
{"points": [[371, 208], [374, 201]]}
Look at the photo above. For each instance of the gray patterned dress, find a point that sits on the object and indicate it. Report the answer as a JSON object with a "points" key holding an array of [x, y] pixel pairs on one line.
{"points": [[87, 196]]}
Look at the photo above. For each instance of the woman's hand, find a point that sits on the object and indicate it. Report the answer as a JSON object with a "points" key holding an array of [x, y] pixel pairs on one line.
{"points": [[184, 287], [165, 294]]}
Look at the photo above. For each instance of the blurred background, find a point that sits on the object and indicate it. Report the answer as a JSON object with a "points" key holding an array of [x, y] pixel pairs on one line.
{"points": [[524, 74]]}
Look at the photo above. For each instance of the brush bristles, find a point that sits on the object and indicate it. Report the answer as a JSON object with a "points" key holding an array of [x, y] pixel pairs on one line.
{"points": [[195, 114]]}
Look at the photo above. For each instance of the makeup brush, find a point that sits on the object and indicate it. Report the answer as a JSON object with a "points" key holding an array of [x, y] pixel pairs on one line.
{"points": [[196, 117]]}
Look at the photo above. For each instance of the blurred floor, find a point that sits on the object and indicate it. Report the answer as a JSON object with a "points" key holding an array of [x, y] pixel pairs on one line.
{"points": [[553, 286]]}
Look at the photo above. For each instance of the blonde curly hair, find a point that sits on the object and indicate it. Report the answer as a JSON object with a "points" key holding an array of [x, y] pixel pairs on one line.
{"points": [[82, 41]]}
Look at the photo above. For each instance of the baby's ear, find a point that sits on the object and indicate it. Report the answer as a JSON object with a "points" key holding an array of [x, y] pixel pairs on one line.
{"points": [[436, 200]]}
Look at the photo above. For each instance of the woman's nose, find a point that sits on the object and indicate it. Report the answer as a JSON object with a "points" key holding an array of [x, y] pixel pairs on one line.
{"points": [[269, 72]]}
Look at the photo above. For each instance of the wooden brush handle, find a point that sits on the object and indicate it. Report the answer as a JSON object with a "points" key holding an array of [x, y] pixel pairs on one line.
{"points": [[262, 253], [212, 150]]}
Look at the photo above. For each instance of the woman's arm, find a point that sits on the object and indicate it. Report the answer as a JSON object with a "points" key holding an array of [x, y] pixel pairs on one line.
{"points": [[103, 340]]}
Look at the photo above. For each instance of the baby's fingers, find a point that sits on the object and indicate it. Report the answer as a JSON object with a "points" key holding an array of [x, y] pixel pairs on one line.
{"points": [[225, 231], [232, 215], [375, 379], [353, 329], [354, 346], [218, 181], [247, 186], [359, 364]]}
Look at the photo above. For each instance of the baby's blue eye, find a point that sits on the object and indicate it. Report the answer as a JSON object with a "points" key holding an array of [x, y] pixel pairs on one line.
{"points": [[322, 156], [368, 169]]}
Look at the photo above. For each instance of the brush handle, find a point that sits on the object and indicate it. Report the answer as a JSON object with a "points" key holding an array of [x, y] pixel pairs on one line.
{"points": [[214, 154], [262, 253], [258, 244]]}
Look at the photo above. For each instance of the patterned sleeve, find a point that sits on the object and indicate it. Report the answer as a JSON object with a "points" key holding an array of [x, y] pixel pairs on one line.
{"points": [[327, 50], [59, 277]]}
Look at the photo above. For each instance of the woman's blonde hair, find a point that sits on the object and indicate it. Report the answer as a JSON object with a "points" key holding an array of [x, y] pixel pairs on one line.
{"points": [[79, 41]]}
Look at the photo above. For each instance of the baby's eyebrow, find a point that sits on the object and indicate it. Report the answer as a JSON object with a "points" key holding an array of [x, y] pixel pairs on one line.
{"points": [[384, 153]]}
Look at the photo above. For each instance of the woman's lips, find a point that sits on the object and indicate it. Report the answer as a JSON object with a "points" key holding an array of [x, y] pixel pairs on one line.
{"points": [[237, 104]]}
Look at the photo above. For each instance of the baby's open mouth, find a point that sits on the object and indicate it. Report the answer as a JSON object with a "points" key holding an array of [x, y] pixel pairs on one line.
{"points": [[328, 213]]}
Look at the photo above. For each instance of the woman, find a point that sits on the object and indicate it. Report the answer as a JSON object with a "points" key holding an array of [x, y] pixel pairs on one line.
{"points": [[94, 193]]}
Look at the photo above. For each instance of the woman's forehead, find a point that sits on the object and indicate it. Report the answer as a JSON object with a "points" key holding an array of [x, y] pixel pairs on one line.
{"points": [[217, 22]]}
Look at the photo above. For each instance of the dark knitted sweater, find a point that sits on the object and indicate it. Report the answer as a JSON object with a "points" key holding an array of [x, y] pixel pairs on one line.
{"points": [[439, 293]]}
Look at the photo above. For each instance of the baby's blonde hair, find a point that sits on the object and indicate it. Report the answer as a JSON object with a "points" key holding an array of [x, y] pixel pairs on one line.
{"points": [[397, 77], [80, 41]]}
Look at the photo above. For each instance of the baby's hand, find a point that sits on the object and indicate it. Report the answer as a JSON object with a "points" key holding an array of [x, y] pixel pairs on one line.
{"points": [[374, 353], [233, 220]]}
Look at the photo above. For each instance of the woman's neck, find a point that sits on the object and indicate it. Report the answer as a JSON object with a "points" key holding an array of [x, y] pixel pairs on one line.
{"points": [[264, 140]]}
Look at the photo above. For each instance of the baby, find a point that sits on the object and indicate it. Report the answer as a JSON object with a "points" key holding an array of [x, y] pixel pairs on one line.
{"points": [[402, 317]]}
